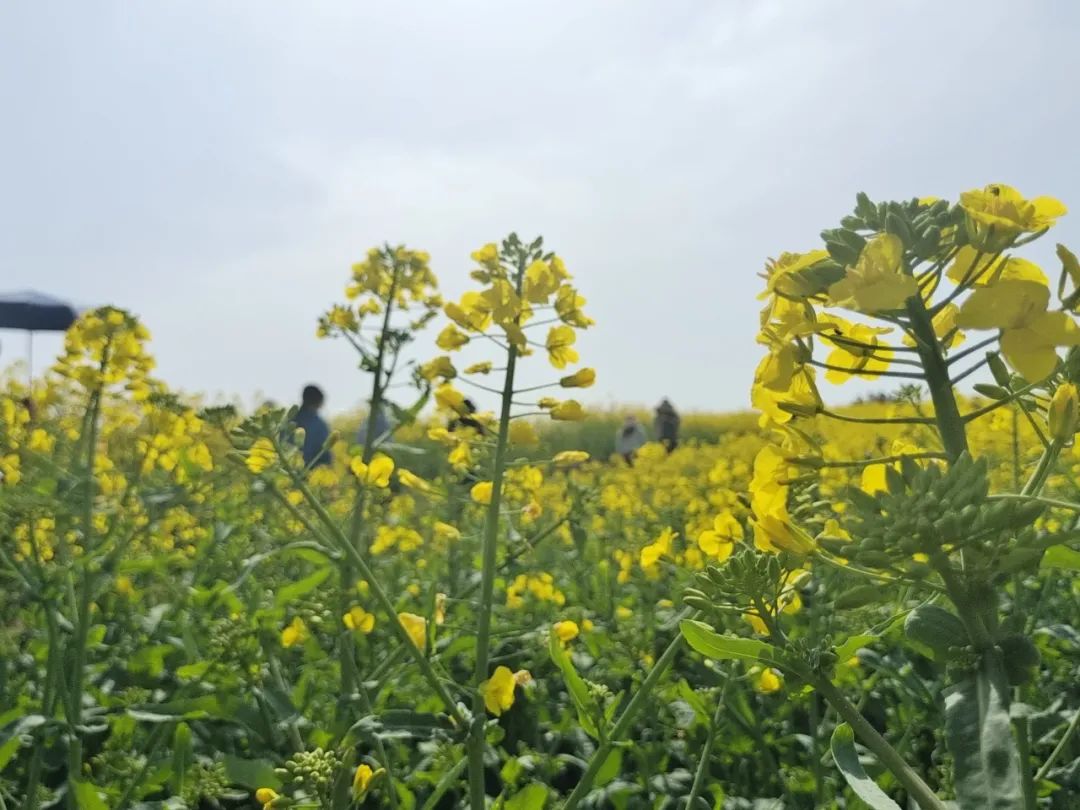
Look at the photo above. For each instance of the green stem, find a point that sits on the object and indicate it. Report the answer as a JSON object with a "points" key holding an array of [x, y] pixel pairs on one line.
{"points": [[489, 564], [890, 758], [622, 724], [1023, 745], [346, 571], [946, 411], [86, 586], [1059, 749], [1043, 468], [706, 750]]}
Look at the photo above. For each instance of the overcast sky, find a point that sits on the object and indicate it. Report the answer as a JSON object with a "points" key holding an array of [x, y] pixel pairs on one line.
{"points": [[216, 167]]}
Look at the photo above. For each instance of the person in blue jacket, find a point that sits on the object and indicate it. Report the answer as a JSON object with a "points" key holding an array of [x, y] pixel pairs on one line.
{"points": [[316, 431]]}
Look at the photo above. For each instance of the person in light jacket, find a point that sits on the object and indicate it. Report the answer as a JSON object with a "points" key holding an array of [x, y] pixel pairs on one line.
{"points": [[629, 438]]}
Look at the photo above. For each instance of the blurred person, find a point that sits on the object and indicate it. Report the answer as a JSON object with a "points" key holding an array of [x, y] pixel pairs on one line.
{"points": [[629, 438], [316, 431], [467, 420], [377, 423], [666, 424]]}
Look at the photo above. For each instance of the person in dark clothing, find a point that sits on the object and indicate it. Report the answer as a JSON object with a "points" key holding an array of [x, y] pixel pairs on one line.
{"points": [[316, 431], [629, 438], [666, 425]]}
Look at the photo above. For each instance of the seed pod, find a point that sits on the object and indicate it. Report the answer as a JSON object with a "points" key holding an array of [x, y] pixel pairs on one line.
{"points": [[859, 596], [873, 559]]}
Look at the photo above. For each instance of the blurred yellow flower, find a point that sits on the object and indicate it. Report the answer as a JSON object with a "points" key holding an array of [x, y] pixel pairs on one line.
{"points": [[560, 341], [416, 627], [568, 411], [481, 492], [359, 620], [261, 455], [877, 282], [583, 378], [566, 630], [375, 474], [498, 691], [294, 633]]}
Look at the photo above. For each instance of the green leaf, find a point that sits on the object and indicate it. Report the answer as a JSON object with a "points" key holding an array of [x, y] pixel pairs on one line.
{"points": [[584, 702], [290, 593], [979, 735], [251, 773], [532, 797], [852, 644], [611, 768], [87, 796], [694, 700], [725, 648], [847, 760], [8, 749], [1061, 557]]}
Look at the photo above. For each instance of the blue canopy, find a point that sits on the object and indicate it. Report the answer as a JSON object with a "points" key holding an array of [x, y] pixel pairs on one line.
{"points": [[35, 312]]}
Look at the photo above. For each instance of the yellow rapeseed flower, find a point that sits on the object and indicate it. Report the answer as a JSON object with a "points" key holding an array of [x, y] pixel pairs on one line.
{"points": [[582, 378], [498, 690], [295, 632], [375, 474], [560, 341], [568, 411], [1030, 334], [416, 627], [566, 630], [261, 455], [877, 282], [359, 620], [481, 492]]}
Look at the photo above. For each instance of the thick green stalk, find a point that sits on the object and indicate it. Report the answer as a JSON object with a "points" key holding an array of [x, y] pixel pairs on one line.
{"points": [[622, 724], [946, 411], [476, 742], [82, 617], [889, 756]]}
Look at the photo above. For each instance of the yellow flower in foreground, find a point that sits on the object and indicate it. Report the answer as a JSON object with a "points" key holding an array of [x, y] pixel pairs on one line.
{"points": [[359, 620], [560, 341], [568, 458], [719, 542], [261, 455], [623, 612], [416, 627], [446, 396], [375, 474], [488, 254], [294, 633], [582, 378], [441, 366], [1062, 415], [363, 778], [498, 691], [481, 492], [1029, 334], [978, 269], [877, 282], [568, 411], [445, 531], [266, 797], [451, 338], [997, 214], [566, 630], [767, 681], [848, 360], [480, 368], [413, 481]]}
